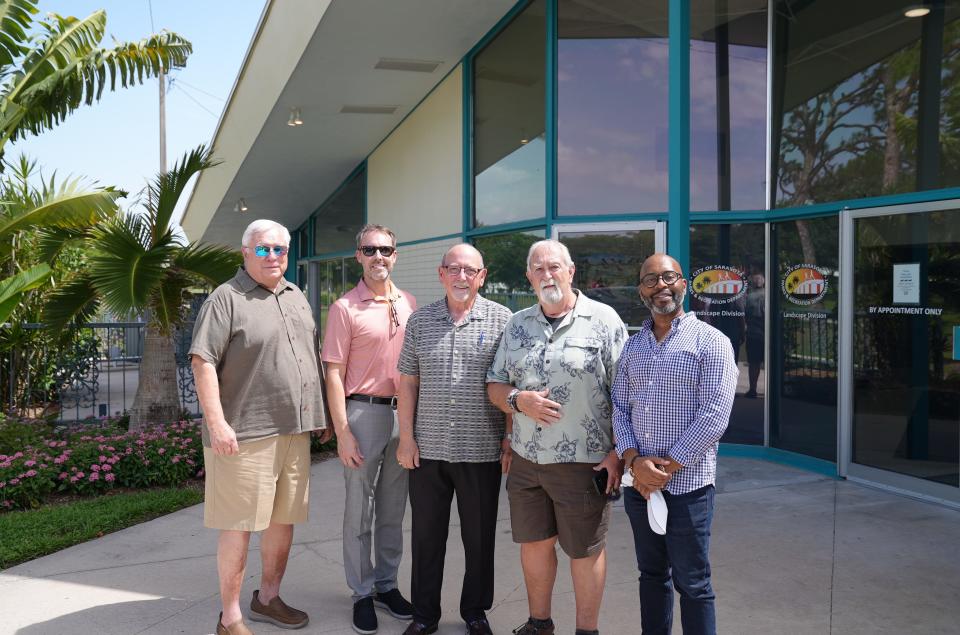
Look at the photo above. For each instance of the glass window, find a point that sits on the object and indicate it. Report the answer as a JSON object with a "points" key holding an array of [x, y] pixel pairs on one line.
{"points": [[728, 104], [906, 400], [508, 122], [607, 266], [612, 80], [803, 338], [727, 289], [865, 100], [335, 277], [303, 241], [339, 219], [505, 256]]}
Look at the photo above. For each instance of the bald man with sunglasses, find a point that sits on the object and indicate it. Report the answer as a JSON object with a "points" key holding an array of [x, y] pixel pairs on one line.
{"points": [[361, 346]]}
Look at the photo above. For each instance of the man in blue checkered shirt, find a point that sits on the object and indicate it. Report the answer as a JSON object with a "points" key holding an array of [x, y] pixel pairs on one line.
{"points": [[671, 404]]}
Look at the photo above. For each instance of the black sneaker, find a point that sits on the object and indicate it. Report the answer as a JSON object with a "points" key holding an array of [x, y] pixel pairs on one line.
{"points": [[395, 604], [417, 628], [531, 628], [364, 617], [478, 626]]}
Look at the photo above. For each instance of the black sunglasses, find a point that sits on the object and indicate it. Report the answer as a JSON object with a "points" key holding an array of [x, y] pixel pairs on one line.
{"points": [[385, 250]]}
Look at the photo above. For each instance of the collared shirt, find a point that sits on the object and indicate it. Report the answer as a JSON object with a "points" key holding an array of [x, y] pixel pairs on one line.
{"points": [[264, 346], [455, 420], [363, 334], [673, 398], [576, 361]]}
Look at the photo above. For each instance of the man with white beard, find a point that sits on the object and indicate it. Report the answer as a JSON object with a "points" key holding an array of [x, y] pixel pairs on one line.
{"points": [[553, 371]]}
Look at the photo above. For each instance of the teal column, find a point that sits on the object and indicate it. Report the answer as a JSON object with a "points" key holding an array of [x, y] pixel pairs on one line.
{"points": [[678, 225], [550, 116]]}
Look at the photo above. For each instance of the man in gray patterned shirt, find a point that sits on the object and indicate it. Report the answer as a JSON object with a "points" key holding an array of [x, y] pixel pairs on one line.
{"points": [[452, 438], [553, 371]]}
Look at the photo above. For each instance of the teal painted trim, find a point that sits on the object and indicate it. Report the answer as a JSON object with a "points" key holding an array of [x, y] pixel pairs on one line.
{"points": [[467, 150], [550, 116], [523, 225], [776, 455], [701, 218], [612, 218], [678, 228], [312, 229], [873, 201]]}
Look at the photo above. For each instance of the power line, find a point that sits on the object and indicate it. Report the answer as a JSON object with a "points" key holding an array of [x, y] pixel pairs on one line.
{"points": [[200, 90], [201, 106], [150, 7]]}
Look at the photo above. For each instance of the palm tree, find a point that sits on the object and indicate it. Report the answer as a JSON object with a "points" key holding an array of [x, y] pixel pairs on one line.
{"points": [[139, 264], [48, 68]]}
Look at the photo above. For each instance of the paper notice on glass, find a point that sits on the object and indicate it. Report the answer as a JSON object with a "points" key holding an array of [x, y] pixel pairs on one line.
{"points": [[906, 283]]}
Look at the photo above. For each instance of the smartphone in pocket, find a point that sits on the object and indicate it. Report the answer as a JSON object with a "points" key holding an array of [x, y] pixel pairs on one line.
{"points": [[600, 484]]}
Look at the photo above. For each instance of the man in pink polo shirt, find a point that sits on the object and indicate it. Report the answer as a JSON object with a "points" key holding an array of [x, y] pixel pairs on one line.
{"points": [[364, 335]]}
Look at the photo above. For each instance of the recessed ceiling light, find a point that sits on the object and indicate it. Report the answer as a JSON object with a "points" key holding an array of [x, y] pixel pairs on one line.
{"points": [[916, 11], [356, 109], [416, 66]]}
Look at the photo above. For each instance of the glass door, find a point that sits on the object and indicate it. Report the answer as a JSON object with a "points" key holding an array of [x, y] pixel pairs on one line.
{"points": [[608, 257], [901, 406]]}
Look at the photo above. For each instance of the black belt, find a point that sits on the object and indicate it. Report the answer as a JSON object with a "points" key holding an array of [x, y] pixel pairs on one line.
{"points": [[383, 401]]}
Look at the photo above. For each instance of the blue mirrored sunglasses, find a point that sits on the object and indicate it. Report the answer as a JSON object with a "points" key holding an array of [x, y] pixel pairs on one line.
{"points": [[262, 251]]}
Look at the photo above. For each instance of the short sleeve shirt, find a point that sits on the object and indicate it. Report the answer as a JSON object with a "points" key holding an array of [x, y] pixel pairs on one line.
{"points": [[576, 361], [264, 347], [455, 420], [365, 333]]}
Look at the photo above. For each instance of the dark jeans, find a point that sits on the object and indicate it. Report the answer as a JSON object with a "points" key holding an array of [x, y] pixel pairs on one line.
{"points": [[432, 486], [680, 554]]}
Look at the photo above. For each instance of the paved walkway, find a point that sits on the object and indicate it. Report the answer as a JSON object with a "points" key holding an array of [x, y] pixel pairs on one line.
{"points": [[793, 553]]}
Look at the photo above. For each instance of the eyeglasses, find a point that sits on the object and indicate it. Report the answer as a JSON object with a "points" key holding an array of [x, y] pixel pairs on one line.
{"points": [[454, 270], [262, 251], [393, 312], [669, 277], [385, 250]]}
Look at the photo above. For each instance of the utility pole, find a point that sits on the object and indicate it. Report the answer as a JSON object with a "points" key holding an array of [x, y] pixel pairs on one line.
{"points": [[163, 121]]}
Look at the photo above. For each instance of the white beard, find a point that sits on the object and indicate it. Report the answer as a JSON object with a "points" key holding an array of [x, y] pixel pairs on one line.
{"points": [[553, 295]]}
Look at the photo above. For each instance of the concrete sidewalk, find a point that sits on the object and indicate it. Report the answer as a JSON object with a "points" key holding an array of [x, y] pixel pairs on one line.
{"points": [[793, 552]]}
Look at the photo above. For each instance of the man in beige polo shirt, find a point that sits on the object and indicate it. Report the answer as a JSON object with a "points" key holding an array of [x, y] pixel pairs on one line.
{"points": [[256, 366]]}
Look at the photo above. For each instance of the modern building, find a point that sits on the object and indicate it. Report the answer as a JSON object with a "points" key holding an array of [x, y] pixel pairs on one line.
{"points": [[800, 158]]}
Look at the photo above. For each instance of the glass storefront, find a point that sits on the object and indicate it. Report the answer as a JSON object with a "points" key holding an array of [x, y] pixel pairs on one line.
{"points": [[509, 139], [505, 257], [804, 302], [607, 260], [339, 219], [727, 289], [865, 99], [334, 278], [906, 354], [612, 78], [728, 104]]}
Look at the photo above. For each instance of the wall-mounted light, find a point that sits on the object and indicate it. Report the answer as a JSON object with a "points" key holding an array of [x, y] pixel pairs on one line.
{"points": [[294, 119], [524, 140], [916, 11], [241, 206]]}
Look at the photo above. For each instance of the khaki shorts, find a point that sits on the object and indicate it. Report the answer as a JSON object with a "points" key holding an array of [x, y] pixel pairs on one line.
{"points": [[269, 481], [557, 499]]}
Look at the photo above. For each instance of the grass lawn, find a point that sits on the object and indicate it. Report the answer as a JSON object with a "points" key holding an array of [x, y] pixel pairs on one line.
{"points": [[30, 534]]}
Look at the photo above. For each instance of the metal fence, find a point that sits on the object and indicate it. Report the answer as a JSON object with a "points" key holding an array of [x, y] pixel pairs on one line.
{"points": [[96, 375]]}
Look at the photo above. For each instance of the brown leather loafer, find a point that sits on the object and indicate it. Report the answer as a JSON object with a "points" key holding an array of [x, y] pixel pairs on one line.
{"points": [[276, 612], [237, 628]]}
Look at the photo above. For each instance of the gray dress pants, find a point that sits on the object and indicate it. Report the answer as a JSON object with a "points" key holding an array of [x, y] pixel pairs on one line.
{"points": [[376, 499]]}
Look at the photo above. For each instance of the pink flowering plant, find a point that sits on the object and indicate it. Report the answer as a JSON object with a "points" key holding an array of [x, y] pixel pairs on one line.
{"points": [[89, 459]]}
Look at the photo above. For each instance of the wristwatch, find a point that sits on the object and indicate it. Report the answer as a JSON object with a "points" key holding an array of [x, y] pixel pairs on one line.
{"points": [[512, 399]]}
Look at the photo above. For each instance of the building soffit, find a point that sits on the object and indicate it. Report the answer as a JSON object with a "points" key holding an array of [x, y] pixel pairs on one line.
{"points": [[321, 57]]}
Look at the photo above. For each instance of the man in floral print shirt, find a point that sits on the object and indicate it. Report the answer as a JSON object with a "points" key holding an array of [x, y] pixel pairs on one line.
{"points": [[553, 371]]}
